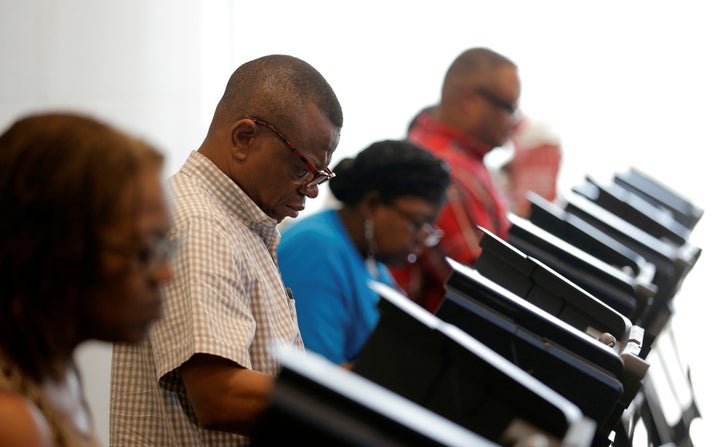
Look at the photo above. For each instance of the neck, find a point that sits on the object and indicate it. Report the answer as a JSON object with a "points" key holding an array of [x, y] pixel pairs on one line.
{"points": [[354, 222]]}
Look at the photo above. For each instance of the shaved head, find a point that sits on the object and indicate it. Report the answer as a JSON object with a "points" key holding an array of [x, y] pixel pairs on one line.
{"points": [[473, 66], [277, 88]]}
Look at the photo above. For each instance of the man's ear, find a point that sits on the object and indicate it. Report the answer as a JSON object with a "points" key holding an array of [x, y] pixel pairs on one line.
{"points": [[242, 133]]}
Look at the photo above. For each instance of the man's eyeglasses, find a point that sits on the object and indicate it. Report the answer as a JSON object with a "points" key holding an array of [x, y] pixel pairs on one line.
{"points": [[493, 99], [431, 233], [317, 177]]}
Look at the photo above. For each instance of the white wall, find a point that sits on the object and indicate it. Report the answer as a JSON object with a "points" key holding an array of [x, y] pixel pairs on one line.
{"points": [[624, 83]]}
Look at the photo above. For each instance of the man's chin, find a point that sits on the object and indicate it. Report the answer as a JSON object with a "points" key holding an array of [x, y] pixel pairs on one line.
{"points": [[278, 217], [283, 217]]}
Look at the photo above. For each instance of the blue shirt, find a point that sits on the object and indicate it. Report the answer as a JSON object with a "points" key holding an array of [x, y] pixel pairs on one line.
{"points": [[336, 310]]}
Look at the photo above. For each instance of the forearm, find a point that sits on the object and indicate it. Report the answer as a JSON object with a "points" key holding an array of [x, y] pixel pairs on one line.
{"points": [[224, 395]]}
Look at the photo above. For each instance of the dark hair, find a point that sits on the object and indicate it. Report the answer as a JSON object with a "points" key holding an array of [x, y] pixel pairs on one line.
{"points": [[61, 178], [393, 168]]}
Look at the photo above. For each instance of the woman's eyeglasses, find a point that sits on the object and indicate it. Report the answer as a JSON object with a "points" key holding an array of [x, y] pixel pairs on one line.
{"points": [[152, 255], [317, 177], [431, 234]]}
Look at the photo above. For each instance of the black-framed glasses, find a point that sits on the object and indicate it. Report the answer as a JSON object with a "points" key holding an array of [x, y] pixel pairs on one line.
{"points": [[432, 234], [493, 99], [318, 176]]}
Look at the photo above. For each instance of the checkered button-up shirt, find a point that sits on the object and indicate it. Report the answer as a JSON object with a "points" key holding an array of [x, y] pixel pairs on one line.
{"points": [[226, 299]]}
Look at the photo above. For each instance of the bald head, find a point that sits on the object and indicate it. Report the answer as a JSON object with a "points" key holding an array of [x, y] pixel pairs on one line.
{"points": [[474, 66], [277, 88], [479, 96]]}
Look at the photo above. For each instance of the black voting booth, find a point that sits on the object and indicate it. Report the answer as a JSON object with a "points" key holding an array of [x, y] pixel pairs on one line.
{"points": [[656, 221], [538, 343], [651, 198], [592, 319], [655, 192], [672, 261], [613, 286], [317, 403], [538, 283], [437, 365], [641, 220], [627, 265]]}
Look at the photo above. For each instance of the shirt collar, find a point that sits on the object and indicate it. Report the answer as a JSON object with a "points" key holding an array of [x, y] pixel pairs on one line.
{"points": [[220, 186], [427, 123]]}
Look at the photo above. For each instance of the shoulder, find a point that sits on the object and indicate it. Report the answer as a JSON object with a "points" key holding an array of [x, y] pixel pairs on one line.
{"points": [[23, 423]]}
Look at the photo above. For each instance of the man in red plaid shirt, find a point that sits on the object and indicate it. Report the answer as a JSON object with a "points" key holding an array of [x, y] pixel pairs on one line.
{"points": [[476, 114]]}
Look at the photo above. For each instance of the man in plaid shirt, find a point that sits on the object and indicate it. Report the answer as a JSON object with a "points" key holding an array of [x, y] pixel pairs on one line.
{"points": [[204, 375]]}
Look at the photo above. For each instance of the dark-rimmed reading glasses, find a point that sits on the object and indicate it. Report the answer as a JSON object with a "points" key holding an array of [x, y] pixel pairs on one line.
{"points": [[319, 176]]}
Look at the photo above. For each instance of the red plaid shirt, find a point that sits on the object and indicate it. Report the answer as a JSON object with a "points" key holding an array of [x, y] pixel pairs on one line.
{"points": [[473, 200]]}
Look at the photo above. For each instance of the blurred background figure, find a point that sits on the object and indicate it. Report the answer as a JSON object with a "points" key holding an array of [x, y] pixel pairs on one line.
{"points": [[389, 197], [476, 113], [534, 158], [82, 255]]}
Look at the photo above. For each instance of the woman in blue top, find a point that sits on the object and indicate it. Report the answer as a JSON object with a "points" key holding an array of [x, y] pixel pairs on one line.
{"points": [[389, 197]]}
